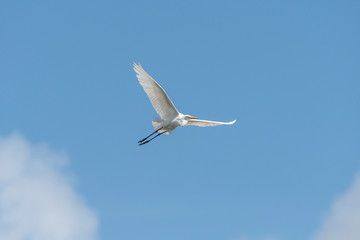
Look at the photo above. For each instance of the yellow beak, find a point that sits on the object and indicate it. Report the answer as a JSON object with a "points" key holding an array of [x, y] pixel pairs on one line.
{"points": [[191, 117]]}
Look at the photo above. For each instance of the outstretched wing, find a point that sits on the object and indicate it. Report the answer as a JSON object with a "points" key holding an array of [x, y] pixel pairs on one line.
{"points": [[159, 99], [206, 123]]}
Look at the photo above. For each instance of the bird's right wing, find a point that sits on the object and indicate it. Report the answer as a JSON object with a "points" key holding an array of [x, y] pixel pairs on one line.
{"points": [[206, 123], [159, 99]]}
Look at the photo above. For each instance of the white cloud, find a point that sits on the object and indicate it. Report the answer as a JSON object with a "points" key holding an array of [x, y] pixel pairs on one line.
{"points": [[343, 221], [37, 199]]}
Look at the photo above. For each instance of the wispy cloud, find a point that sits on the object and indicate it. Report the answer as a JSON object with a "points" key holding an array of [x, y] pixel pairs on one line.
{"points": [[37, 199], [343, 220]]}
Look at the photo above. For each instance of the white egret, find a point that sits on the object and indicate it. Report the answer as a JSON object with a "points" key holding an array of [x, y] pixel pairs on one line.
{"points": [[170, 117]]}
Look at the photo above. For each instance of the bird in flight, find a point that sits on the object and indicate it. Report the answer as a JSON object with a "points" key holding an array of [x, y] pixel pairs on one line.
{"points": [[170, 117]]}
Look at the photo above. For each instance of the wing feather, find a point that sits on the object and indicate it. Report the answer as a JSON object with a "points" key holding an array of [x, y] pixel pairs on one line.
{"points": [[206, 123], [158, 97]]}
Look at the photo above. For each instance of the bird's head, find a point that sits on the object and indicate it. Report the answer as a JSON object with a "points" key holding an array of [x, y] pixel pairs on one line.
{"points": [[188, 117]]}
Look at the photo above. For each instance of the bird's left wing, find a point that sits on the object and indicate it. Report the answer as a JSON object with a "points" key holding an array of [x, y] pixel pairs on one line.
{"points": [[206, 123], [159, 99]]}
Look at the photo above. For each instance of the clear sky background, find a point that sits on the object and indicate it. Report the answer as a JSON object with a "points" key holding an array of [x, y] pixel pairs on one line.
{"points": [[72, 112]]}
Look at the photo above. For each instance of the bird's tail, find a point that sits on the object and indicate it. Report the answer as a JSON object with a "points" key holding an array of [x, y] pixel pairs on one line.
{"points": [[157, 124]]}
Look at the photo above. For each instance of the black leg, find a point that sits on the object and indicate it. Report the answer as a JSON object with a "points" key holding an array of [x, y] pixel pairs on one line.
{"points": [[149, 136], [142, 143]]}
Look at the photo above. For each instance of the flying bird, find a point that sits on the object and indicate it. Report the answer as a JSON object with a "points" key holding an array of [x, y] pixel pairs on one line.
{"points": [[171, 118]]}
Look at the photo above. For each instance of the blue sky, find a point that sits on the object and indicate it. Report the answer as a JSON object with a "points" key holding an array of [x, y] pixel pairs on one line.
{"points": [[287, 71]]}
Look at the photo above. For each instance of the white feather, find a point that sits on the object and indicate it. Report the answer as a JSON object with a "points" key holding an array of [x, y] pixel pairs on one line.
{"points": [[159, 99], [206, 123]]}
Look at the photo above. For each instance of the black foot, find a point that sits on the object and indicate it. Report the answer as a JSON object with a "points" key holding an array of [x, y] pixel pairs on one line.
{"points": [[142, 140], [140, 144]]}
